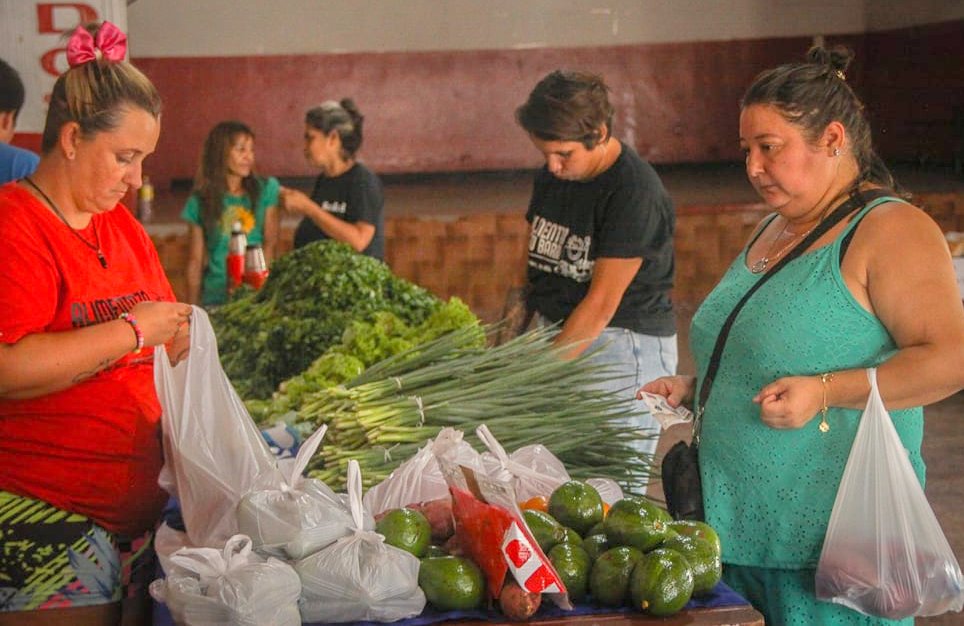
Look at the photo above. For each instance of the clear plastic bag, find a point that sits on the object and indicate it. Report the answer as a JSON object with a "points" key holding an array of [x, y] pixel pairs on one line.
{"points": [[229, 587], [296, 516], [533, 470], [491, 529], [884, 553], [359, 577], [214, 453], [417, 480]]}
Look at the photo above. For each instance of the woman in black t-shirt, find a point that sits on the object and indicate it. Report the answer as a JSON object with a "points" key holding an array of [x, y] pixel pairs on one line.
{"points": [[601, 224], [346, 203]]}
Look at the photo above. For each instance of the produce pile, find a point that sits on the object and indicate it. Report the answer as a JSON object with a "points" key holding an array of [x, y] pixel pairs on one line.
{"points": [[630, 554], [311, 297], [362, 344], [521, 389]]}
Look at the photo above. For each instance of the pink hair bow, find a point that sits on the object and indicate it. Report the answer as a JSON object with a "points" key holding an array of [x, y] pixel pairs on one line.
{"points": [[81, 48]]}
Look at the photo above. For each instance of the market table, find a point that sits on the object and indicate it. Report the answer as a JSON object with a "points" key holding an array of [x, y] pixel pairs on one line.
{"points": [[722, 607]]}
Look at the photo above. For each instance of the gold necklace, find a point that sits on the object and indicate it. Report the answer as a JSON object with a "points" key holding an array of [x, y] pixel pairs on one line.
{"points": [[93, 246], [764, 262], [762, 265]]}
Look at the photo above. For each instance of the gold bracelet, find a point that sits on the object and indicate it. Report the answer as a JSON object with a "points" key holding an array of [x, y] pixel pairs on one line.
{"points": [[825, 379]]}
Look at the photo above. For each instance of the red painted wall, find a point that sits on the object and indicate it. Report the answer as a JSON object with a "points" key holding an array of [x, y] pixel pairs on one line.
{"points": [[453, 111]]}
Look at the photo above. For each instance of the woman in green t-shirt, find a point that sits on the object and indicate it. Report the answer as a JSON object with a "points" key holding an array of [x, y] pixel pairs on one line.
{"points": [[226, 190]]}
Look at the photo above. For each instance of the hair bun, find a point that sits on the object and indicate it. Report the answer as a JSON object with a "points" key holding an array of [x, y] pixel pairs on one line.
{"points": [[352, 109], [836, 59]]}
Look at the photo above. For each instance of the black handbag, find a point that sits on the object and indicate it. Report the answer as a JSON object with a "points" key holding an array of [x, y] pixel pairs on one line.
{"points": [[680, 468]]}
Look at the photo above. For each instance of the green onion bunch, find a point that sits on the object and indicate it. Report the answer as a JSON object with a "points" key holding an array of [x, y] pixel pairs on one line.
{"points": [[522, 390]]}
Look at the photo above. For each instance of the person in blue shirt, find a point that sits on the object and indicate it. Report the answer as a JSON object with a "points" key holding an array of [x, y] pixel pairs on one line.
{"points": [[15, 163]]}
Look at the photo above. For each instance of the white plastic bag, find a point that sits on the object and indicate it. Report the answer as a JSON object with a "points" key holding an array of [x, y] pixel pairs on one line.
{"points": [[233, 586], [884, 553], [213, 452], [418, 479], [296, 516], [533, 470], [167, 541], [359, 577]]}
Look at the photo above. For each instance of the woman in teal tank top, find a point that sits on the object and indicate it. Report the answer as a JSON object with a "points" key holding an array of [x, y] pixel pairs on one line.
{"points": [[877, 289]]}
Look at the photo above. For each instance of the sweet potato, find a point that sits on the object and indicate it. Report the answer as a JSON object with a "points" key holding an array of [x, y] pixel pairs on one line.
{"points": [[518, 604], [439, 516]]}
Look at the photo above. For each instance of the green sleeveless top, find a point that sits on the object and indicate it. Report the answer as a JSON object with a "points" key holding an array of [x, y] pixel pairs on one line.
{"points": [[769, 492]]}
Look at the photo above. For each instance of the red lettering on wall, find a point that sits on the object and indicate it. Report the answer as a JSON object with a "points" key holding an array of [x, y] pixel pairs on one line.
{"points": [[45, 16], [49, 61], [51, 21]]}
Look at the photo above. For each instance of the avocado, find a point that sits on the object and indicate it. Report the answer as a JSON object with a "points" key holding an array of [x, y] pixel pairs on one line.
{"points": [[661, 583], [406, 529], [571, 536], [572, 564], [703, 559], [700, 530], [595, 545], [545, 529], [637, 522], [433, 551], [597, 529], [610, 573], [577, 505], [452, 583]]}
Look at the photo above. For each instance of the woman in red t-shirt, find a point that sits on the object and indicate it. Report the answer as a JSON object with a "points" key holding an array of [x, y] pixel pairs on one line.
{"points": [[85, 302]]}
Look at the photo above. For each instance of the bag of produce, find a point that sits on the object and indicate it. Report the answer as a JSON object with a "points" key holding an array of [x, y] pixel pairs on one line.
{"points": [[213, 452], [533, 470], [416, 480], [229, 587], [884, 553], [296, 516], [167, 541], [359, 577], [491, 530]]}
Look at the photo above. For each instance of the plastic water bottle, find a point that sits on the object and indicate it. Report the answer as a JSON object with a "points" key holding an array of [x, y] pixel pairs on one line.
{"points": [[145, 201], [255, 268], [235, 261]]}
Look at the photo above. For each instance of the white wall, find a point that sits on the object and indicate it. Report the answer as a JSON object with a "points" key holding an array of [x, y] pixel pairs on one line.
{"points": [[185, 28]]}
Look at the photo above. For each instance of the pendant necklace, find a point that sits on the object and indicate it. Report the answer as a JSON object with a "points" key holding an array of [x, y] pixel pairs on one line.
{"points": [[762, 265], [764, 262], [93, 246]]}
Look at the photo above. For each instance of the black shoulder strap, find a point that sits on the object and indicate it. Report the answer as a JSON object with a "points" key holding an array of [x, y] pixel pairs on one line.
{"points": [[848, 238], [856, 200]]}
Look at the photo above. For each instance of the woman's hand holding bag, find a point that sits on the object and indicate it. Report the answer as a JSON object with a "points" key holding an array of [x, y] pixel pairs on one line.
{"points": [[884, 553]]}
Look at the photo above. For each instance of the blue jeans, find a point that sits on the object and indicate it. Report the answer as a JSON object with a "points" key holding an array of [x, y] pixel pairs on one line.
{"points": [[640, 358]]}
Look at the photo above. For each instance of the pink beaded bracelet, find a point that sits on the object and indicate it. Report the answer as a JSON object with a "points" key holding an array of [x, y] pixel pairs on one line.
{"points": [[130, 319]]}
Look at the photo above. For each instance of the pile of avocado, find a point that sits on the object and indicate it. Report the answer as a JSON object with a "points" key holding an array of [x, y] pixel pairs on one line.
{"points": [[632, 554], [635, 554]]}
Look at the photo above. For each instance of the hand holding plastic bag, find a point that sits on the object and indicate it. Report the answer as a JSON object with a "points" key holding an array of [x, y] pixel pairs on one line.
{"points": [[884, 553], [233, 587], [214, 453], [295, 516], [359, 577]]}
